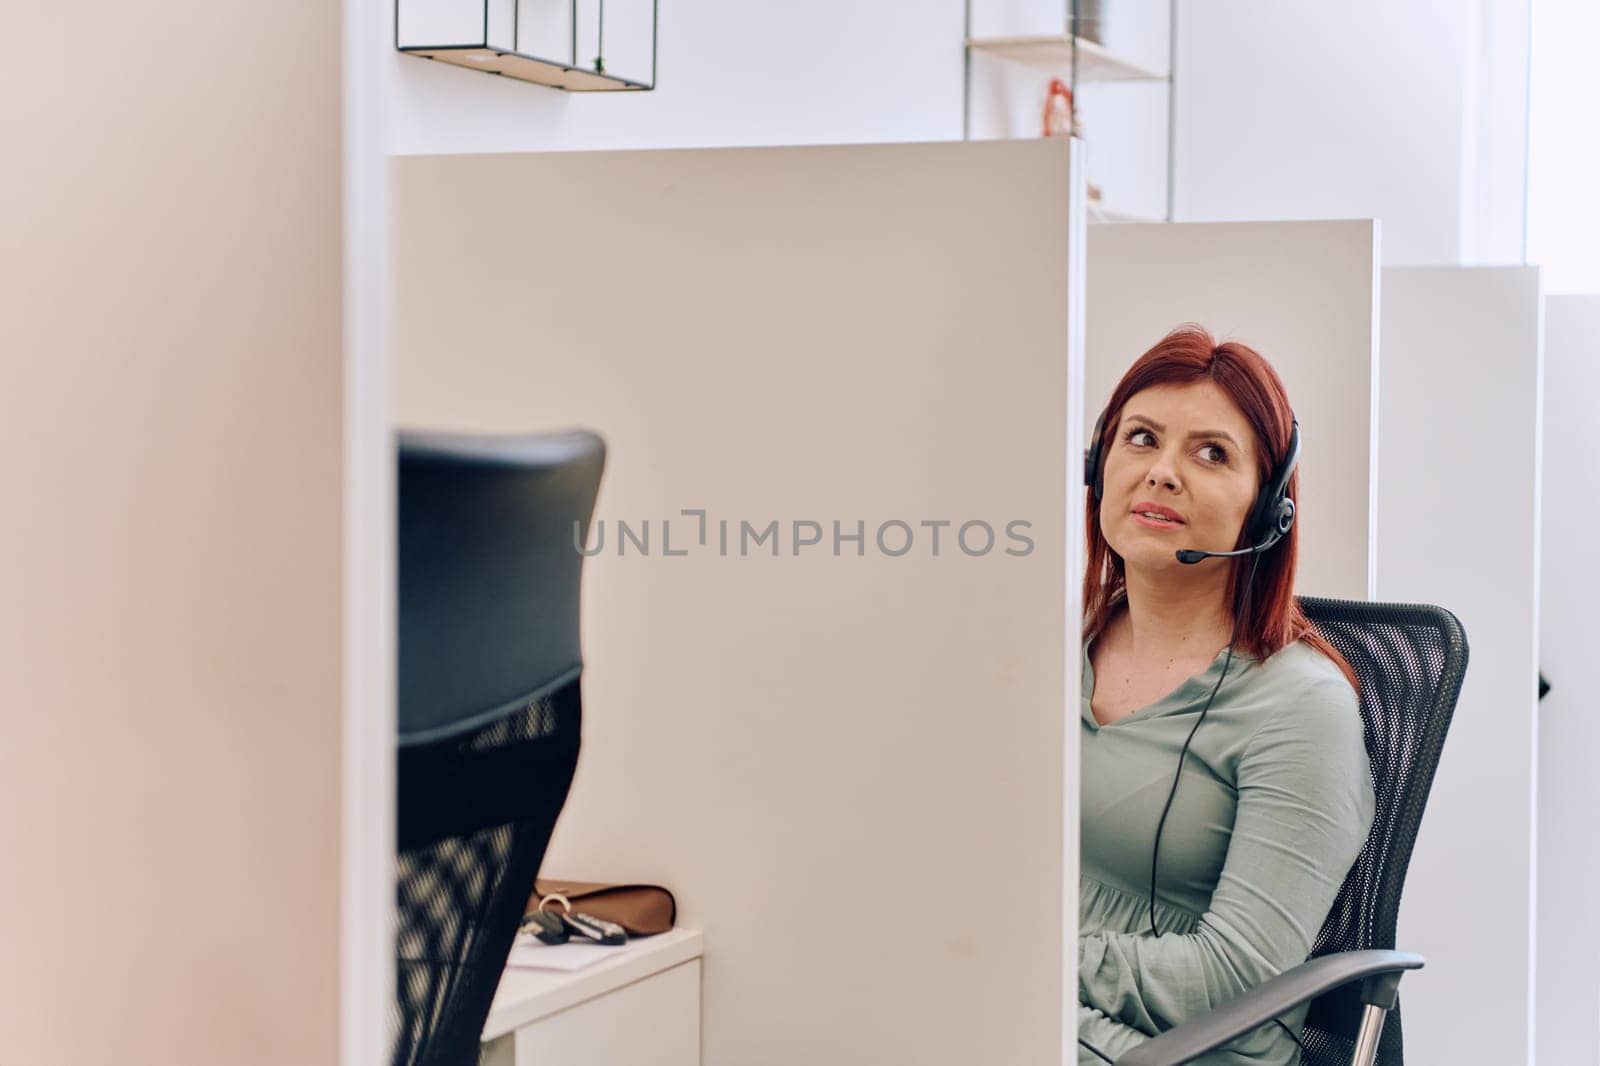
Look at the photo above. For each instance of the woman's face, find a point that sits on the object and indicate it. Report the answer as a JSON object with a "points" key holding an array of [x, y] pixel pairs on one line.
{"points": [[1184, 451]]}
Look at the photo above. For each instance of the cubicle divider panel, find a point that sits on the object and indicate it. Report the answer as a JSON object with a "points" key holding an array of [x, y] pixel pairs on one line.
{"points": [[1566, 1020], [174, 773], [1459, 526], [1303, 294], [831, 618]]}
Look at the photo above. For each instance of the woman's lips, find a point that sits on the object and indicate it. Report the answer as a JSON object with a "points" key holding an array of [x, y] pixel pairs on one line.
{"points": [[1153, 523]]}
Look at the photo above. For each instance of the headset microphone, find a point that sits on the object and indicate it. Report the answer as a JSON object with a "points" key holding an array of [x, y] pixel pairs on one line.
{"points": [[1194, 555]]}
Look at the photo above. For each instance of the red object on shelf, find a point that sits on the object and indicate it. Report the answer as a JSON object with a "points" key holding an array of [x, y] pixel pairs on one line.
{"points": [[1060, 120]]}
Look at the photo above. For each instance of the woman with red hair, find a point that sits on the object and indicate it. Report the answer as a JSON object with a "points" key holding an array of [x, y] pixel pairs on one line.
{"points": [[1210, 855]]}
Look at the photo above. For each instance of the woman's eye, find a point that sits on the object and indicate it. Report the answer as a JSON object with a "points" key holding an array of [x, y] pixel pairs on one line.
{"points": [[1216, 452], [1133, 436]]}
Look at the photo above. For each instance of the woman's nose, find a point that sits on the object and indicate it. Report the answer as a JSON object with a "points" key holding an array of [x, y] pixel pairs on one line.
{"points": [[1161, 475], [1162, 481]]}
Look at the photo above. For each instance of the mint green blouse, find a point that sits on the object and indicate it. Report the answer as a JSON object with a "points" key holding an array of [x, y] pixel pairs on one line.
{"points": [[1273, 807]]}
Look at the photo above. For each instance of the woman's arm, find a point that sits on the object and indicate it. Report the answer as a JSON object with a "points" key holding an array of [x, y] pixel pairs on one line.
{"points": [[1110, 1037], [1304, 809]]}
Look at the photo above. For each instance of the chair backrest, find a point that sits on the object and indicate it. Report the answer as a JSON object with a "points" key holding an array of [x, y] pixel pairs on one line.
{"points": [[1410, 660], [489, 710]]}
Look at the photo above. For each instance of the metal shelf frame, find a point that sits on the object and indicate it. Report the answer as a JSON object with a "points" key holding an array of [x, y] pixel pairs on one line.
{"points": [[565, 74], [1081, 59]]}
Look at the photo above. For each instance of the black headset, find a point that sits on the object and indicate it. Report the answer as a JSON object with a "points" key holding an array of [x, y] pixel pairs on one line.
{"points": [[1270, 520]]}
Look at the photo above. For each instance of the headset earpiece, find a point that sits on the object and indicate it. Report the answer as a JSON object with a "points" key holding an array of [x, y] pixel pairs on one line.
{"points": [[1272, 515], [1285, 516], [1091, 459]]}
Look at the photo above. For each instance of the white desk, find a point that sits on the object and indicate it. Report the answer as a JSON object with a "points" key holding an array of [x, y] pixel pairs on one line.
{"points": [[641, 1007]]}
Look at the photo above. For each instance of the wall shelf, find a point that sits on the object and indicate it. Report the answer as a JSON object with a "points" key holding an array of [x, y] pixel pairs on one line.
{"points": [[528, 68], [1097, 213], [1052, 53], [1123, 93], [537, 43]]}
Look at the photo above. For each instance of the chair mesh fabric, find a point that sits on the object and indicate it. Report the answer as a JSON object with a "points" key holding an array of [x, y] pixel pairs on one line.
{"points": [[475, 814], [1410, 660]]}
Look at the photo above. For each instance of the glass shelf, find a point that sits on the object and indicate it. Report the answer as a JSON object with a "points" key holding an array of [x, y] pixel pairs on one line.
{"points": [[1053, 53]]}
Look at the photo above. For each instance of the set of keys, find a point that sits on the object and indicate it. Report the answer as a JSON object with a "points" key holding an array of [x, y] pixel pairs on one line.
{"points": [[552, 928]]}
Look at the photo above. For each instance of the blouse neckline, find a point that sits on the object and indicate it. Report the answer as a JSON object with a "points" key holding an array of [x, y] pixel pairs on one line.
{"points": [[1192, 690]]}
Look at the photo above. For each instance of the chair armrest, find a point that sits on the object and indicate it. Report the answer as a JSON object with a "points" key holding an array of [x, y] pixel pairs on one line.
{"points": [[1267, 1001]]}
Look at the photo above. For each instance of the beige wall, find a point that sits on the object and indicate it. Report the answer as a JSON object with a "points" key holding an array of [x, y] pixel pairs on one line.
{"points": [[821, 754], [169, 533], [1303, 294]]}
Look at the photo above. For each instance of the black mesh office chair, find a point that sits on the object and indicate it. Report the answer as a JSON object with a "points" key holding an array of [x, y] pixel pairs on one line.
{"points": [[1410, 661], [489, 710]]}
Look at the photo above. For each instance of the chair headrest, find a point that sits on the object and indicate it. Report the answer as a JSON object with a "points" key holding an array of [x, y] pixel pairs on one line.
{"points": [[489, 566]]}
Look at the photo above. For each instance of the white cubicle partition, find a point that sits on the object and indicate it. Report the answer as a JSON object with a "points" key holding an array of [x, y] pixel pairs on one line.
{"points": [[1304, 295], [1459, 526], [171, 574], [1567, 1006], [847, 756]]}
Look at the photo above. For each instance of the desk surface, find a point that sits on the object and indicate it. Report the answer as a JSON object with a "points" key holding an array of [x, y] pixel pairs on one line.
{"points": [[525, 995]]}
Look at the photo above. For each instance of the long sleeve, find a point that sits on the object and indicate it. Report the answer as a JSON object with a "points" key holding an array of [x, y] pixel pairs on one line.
{"points": [[1305, 806], [1110, 1038]]}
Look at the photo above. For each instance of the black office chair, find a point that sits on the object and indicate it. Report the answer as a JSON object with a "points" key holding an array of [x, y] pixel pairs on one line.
{"points": [[1410, 660], [489, 710]]}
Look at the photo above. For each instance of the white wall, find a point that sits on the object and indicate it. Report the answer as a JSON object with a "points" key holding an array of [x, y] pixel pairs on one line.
{"points": [[1568, 1004], [1303, 111], [1458, 525], [1301, 293], [837, 71], [1278, 105], [730, 72], [1563, 210], [1494, 172], [170, 555]]}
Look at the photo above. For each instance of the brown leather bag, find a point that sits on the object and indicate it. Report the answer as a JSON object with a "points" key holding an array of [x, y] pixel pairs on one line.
{"points": [[640, 909]]}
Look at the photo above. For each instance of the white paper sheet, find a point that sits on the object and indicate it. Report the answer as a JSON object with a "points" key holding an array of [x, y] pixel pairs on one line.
{"points": [[528, 953]]}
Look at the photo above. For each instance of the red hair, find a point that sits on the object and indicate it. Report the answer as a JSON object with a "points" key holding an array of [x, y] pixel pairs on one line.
{"points": [[1272, 618]]}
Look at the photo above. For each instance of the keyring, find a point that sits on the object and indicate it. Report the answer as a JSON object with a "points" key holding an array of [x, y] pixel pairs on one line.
{"points": [[558, 897]]}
